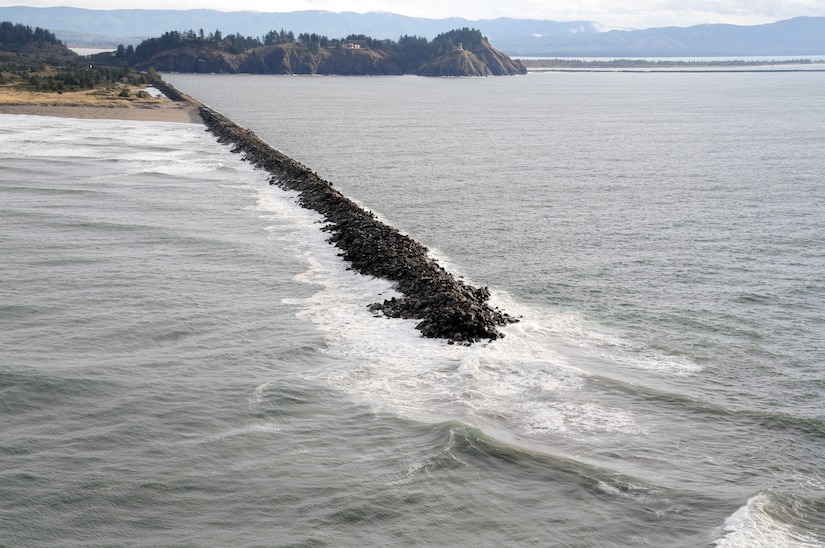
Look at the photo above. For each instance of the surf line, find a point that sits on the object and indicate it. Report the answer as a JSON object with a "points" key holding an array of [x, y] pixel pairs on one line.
{"points": [[447, 307]]}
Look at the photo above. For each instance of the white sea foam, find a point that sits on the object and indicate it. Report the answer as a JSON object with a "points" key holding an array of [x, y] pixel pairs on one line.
{"points": [[753, 526], [567, 416], [172, 149], [525, 378], [247, 429], [622, 351], [622, 488], [571, 329], [532, 382], [258, 394], [546, 386]]}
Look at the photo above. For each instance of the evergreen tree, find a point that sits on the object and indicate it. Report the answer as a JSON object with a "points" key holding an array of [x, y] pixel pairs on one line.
{"points": [[13, 37]]}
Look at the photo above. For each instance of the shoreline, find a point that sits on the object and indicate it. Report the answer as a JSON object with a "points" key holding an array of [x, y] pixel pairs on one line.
{"points": [[446, 307], [664, 65], [90, 106], [176, 113]]}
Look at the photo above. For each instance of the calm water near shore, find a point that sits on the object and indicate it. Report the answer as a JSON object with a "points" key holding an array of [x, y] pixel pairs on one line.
{"points": [[186, 361]]}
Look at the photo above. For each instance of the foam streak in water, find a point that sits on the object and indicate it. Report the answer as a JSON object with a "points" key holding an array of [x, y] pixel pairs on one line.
{"points": [[757, 523]]}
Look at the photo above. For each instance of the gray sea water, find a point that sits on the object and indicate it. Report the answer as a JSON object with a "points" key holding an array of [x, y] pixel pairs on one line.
{"points": [[186, 361]]}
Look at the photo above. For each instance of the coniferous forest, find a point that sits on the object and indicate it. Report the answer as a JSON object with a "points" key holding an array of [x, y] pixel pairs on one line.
{"points": [[38, 58], [284, 52]]}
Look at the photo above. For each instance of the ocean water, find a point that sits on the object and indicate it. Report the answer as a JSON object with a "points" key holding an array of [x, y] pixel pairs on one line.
{"points": [[186, 361]]}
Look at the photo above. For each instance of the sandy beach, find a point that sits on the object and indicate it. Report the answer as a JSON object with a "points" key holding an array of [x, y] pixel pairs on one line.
{"points": [[97, 106]]}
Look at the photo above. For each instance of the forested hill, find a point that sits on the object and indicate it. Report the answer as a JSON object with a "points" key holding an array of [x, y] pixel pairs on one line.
{"points": [[17, 38], [34, 60], [463, 52]]}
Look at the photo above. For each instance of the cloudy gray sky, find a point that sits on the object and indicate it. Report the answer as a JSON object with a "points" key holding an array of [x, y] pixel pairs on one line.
{"points": [[611, 13]]}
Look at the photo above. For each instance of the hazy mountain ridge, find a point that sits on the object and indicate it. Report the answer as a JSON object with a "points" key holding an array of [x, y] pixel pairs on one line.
{"points": [[798, 36]]}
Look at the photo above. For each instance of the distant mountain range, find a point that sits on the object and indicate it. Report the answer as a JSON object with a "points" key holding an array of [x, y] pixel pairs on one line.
{"points": [[801, 36]]}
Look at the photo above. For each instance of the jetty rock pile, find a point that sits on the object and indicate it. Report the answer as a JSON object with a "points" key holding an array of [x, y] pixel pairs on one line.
{"points": [[446, 307]]}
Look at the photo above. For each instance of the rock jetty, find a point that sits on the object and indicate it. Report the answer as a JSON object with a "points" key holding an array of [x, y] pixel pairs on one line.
{"points": [[447, 307]]}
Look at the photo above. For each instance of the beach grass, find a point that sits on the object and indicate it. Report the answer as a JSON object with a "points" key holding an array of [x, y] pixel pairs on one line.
{"points": [[104, 102]]}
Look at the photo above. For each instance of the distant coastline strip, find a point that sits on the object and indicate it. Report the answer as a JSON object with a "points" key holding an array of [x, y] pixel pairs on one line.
{"points": [[446, 307]]}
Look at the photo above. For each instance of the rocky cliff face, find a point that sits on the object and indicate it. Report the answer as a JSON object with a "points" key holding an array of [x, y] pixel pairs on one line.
{"points": [[356, 62], [296, 59], [455, 63], [293, 59], [191, 59], [500, 64], [279, 59], [481, 61]]}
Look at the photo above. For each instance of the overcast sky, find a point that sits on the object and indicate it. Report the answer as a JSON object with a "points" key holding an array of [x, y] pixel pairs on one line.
{"points": [[611, 13]]}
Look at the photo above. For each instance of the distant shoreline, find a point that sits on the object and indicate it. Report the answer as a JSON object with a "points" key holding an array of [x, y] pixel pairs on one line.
{"points": [[562, 64]]}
